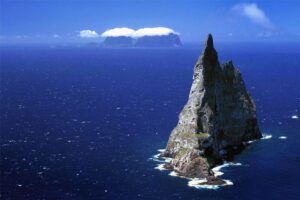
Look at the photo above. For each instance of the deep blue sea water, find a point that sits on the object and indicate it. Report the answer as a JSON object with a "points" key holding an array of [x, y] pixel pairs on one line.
{"points": [[81, 123]]}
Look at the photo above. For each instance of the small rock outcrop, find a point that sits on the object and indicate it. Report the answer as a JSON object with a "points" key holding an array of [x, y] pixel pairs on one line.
{"points": [[217, 119]]}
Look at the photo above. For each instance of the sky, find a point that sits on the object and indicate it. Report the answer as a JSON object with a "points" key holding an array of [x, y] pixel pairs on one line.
{"points": [[74, 21]]}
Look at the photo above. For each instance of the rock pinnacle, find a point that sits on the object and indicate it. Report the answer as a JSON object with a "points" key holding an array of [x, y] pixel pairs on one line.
{"points": [[209, 55], [209, 42]]}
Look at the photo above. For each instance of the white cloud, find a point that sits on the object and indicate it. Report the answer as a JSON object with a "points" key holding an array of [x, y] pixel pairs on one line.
{"points": [[254, 13], [88, 34], [153, 31], [116, 32], [56, 36]]}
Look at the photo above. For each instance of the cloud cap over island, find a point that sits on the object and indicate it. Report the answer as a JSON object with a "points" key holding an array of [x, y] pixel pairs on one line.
{"points": [[143, 37], [128, 32]]}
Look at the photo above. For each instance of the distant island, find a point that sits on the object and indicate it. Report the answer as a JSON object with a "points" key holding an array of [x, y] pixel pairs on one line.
{"points": [[170, 40], [120, 41], [147, 37], [217, 121]]}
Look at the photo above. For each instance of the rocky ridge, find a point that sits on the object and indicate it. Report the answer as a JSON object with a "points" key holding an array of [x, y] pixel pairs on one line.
{"points": [[217, 120]]}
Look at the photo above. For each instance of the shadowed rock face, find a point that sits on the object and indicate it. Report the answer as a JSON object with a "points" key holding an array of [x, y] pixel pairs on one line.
{"points": [[156, 41], [219, 116], [121, 41], [170, 40]]}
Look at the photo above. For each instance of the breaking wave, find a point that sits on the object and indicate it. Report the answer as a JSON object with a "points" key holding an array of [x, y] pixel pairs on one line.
{"points": [[197, 183], [266, 136], [282, 137]]}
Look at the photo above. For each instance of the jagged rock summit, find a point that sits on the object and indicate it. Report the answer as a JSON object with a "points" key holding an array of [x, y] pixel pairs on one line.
{"points": [[218, 118]]}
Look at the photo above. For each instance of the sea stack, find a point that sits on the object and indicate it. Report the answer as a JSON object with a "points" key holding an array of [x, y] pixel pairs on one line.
{"points": [[217, 120]]}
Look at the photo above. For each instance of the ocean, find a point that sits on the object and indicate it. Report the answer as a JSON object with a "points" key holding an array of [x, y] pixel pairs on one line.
{"points": [[82, 123]]}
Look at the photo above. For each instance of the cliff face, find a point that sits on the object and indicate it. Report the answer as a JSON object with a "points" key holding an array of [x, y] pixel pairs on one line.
{"points": [[170, 40], [121, 41], [219, 116], [156, 41]]}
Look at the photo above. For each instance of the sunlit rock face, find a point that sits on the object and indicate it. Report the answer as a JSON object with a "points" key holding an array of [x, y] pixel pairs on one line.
{"points": [[170, 40], [217, 119]]}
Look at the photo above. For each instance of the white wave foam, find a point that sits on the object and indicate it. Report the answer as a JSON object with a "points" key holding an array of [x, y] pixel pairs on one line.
{"points": [[217, 170], [156, 160], [295, 117], [251, 141], [161, 150], [228, 182], [159, 158], [211, 187], [266, 136], [161, 167], [156, 156], [167, 160], [198, 183], [282, 137], [218, 173], [172, 173]]}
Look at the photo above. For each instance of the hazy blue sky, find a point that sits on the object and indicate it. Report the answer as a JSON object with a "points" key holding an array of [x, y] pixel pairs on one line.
{"points": [[42, 21]]}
